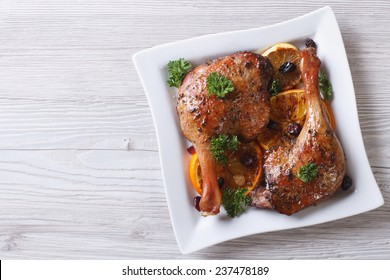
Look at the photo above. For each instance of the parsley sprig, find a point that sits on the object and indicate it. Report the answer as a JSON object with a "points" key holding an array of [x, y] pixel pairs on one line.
{"points": [[235, 201], [219, 85], [275, 87], [325, 86], [307, 172], [177, 69], [220, 144]]}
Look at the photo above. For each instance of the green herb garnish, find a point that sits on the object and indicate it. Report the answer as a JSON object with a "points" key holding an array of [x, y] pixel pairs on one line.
{"points": [[275, 87], [235, 201], [307, 172], [177, 69], [219, 85], [324, 85], [221, 143]]}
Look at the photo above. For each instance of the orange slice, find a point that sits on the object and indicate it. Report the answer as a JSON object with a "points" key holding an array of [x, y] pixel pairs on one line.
{"points": [[243, 170], [280, 56], [196, 174], [289, 105], [286, 107]]}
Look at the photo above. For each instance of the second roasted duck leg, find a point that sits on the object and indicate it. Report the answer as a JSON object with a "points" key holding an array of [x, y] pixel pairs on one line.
{"points": [[310, 170]]}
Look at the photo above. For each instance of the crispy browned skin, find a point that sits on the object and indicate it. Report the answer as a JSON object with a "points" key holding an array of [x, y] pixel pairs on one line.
{"points": [[316, 143], [242, 112]]}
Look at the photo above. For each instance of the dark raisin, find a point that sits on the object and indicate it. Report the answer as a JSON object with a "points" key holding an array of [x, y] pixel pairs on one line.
{"points": [[191, 150], [248, 160], [347, 183], [220, 181], [309, 43], [294, 128], [287, 67], [271, 124], [196, 202]]}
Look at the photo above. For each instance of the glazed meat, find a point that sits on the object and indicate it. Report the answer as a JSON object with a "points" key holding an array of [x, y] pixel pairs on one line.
{"points": [[242, 112], [317, 145]]}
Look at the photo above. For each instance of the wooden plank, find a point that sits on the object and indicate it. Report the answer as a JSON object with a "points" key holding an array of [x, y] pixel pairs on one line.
{"points": [[76, 123]]}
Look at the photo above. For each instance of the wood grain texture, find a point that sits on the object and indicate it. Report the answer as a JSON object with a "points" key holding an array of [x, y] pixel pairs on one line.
{"points": [[79, 165]]}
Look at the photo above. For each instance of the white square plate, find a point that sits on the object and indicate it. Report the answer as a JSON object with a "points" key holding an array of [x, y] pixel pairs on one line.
{"points": [[194, 232]]}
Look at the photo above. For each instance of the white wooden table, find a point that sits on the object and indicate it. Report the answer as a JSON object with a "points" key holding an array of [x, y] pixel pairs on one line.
{"points": [[79, 168]]}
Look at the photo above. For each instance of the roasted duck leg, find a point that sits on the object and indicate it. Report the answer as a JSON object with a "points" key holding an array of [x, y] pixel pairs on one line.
{"points": [[310, 170], [242, 112]]}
